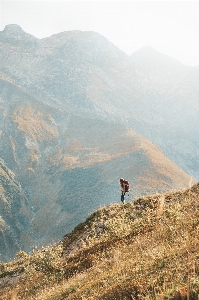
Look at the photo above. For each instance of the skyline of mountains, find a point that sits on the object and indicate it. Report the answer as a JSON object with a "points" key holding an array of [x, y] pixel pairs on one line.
{"points": [[11, 27], [76, 114], [174, 77]]}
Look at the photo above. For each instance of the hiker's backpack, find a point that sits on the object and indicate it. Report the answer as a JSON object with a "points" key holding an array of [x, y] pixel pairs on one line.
{"points": [[127, 186]]}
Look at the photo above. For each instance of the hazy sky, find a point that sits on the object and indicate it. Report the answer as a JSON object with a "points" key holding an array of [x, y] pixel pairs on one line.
{"points": [[171, 27]]}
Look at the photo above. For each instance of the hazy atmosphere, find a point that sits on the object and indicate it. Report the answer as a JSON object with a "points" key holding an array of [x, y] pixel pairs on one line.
{"points": [[99, 150], [171, 27]]}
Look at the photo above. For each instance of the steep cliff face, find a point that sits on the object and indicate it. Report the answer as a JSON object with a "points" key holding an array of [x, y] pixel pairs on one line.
{"points": [[68, 104], [15, 215]]}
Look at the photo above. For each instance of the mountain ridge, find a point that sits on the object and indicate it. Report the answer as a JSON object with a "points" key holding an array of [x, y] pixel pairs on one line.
{"points": [[144, 248]]}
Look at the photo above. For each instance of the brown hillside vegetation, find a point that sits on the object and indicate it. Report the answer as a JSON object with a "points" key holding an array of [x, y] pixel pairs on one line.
{"points": [[145, 249]]}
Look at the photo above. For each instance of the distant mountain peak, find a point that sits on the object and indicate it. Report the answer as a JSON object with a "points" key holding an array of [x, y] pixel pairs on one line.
{"points": [[12, 28], [147, 52], [154, 60], [13, 33], [147, 48]]}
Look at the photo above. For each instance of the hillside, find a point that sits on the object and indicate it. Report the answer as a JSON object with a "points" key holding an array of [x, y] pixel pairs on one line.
{"points": [[173, 95], [145, 249], [15, 215], [68, 168]]}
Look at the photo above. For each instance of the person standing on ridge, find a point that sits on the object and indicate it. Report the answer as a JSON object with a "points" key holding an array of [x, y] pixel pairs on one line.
{"points": [[125, 187], [122, 185]]}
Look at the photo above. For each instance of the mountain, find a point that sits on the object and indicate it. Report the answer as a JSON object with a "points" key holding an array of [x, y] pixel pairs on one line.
{"points": [[72, 109], [152, 93], [157, 65], [84, 71], [145, 249]]}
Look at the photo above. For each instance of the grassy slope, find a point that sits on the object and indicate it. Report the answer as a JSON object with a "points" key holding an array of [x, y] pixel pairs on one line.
{"points": [[146, 249]]}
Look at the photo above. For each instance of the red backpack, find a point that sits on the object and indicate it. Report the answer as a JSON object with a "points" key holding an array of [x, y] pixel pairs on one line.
{"points": [[127, 186]]}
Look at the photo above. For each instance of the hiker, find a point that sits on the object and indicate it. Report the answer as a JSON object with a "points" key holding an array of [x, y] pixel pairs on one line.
{"points": [[122, 189], [125, 187]]}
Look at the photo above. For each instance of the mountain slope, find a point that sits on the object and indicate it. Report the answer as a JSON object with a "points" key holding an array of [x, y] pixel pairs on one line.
{"points": [[84, 72], [69, 165], [147, 248], [73, 70], [15, 215], [174, 106]]}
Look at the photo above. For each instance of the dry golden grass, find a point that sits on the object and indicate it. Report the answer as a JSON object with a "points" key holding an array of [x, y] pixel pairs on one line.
{"points": [[146, 249], [164, 165], [36, 125]]}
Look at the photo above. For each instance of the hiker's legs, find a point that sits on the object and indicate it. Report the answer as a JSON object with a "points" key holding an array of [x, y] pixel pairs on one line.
{"points": [[122, 197]]}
